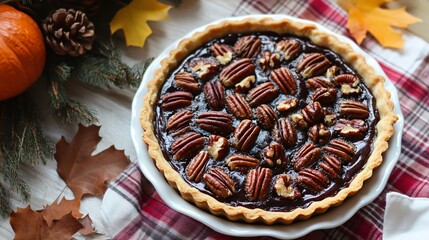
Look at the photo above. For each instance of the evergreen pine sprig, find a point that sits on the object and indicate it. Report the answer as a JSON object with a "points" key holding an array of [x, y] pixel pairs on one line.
{"points": [[22, 141], [104, 68], [21, 136], [65, 110], [4, 201]]}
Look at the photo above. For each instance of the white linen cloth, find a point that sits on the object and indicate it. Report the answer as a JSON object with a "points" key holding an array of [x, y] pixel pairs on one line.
{"points": [[406, 218]]}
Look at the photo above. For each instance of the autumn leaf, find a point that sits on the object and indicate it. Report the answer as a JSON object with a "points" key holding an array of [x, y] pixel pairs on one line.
{"points": [[63, 228], [82, 172], [132, 19], [87, 226], [29, 224], [57, 211], [367, 16]]}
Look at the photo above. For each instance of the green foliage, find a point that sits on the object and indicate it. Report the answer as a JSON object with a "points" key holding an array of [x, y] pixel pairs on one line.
{"points": [[104, 68], [21, 142], [21, 136], [65, 110], [4, 201]]}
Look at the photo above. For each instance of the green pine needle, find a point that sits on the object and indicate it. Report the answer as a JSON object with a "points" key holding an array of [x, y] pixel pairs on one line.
{"points": [[72, 112], [65, 110], [103, 67], [4, 202], [22, 141]]}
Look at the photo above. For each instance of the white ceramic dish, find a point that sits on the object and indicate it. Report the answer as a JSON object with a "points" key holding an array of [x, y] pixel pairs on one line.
{"points": [[332, 218]]}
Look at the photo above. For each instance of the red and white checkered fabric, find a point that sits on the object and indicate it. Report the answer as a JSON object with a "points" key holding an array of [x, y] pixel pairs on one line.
{"points": [[147, 217]]}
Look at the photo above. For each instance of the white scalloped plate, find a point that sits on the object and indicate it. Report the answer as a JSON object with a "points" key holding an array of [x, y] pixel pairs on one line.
{"points": [[330, 219]]}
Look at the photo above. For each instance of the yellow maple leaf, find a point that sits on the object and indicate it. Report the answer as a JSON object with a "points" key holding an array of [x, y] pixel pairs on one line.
{"points": [[132, 19], [367, 16]]}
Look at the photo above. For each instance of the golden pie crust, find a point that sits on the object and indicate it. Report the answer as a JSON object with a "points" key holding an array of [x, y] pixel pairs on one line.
{"points": [[374, 82]]}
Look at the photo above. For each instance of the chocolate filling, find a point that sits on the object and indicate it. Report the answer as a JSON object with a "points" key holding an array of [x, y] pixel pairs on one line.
{"points": [[272, 202]]}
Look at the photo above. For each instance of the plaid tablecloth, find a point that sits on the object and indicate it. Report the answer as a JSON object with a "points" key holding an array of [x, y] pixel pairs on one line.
{"points": [[149, 217]]}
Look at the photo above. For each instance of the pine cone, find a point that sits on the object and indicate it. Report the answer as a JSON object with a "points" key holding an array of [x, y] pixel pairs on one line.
{"points": [[90, 7], [69, 32]]}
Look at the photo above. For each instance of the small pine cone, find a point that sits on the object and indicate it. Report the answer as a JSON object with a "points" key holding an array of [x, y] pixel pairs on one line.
{"points": [[69, 32], [90, 7]]}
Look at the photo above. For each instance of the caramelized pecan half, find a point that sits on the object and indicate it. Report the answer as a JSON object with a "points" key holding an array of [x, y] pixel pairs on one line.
{"points": [[298, 119], [204, 67], [274, 155], [312, 113], [354, 109], [318, 82], [306, 156], [284, 80], [266, 116], [222, 52], [330, 117], [269, 60], [349, 79], [351, 129], [218, 147], [196, 166], [258, 183], [179, 132], [349, 84], [319, 134], [284, 132], [289, 47], [348, 90], [341, 149], [238, 106], [313, 64], [263, 93], [215, 122], [324, 95], [186, 81], [241, 163], [219, 182], [247, 46], [245, 135], [332, 71], [284, 187], [187, 145], [312, 179], [180, 121], [215, 95], [237, 72], [176, 100], [331, 166], [287, 104], [245, 84]]}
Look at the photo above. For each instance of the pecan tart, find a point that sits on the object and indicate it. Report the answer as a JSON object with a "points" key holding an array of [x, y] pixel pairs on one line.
{"points": [[266, 120]]}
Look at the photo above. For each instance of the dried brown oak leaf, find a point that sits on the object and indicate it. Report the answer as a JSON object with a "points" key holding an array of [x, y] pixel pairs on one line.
{"points": [[29, 224], [82, 172], [87, 226], [57, 211]]}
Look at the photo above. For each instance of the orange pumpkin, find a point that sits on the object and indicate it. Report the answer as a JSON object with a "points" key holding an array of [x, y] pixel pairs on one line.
{"points": [[22, 52]]}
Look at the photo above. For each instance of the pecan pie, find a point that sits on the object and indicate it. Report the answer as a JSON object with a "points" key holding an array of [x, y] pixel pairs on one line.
{"points": [[266, 120]]}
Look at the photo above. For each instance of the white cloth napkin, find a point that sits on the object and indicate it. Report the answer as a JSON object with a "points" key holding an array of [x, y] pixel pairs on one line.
{"points": [[406, 218]]}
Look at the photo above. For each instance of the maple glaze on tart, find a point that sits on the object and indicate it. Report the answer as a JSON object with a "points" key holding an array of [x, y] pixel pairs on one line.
{"points": [[266, 126]]}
